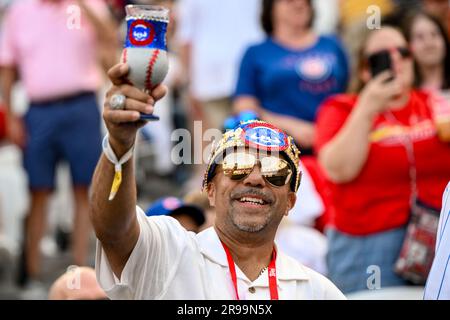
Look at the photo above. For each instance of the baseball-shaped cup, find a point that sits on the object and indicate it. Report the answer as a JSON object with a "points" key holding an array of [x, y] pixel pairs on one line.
{"points": [[145, 48]]}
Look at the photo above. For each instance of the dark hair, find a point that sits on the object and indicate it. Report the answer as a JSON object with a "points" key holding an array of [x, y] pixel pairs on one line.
{"points": [[267, 16], [411, 19]]}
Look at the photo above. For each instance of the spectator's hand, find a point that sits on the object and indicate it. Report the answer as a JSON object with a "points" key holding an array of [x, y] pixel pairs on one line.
{"points": [[379, 93], [15, 130], [123, 124]]}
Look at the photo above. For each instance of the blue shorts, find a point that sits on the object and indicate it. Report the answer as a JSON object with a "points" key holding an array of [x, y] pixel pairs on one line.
{"points": [[63, 130], [351, 259]]}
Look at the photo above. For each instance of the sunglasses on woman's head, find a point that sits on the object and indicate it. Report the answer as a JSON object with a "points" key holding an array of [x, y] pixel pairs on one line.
{"points": [[239, 164]]}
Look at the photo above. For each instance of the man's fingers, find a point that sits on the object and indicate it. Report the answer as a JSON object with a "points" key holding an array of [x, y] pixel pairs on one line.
{"points": [[159, 92], [117, 74], [121, 86], [120, 116], [132, 104], [134, 93], [129, 92]]}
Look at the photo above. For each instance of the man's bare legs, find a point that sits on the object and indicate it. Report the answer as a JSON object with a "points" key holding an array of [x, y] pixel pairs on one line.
{"points": [[35, 225], [82, 225]]}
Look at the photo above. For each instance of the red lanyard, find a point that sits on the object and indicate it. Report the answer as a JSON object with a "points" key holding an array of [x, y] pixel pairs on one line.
{"points": [[272, 272]]}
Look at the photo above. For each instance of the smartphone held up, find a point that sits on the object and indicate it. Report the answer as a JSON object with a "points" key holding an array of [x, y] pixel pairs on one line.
{"points": [[380, 62]]}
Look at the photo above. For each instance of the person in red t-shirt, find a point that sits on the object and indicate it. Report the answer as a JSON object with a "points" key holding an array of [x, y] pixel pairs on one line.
{"points": [[362, 143]]}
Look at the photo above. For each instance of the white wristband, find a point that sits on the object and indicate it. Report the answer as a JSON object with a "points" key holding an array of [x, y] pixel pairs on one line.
{"points": [[109, 153]]}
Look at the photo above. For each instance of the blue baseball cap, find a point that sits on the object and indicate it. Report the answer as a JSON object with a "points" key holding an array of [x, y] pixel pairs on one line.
{"points": [[170, 206]]}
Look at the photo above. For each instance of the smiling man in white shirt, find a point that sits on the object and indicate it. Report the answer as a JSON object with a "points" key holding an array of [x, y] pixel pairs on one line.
{"points": [[251, 180]]}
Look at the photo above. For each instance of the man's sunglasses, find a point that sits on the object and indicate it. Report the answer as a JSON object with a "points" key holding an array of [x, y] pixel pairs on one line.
{"points": [[239, 164]]}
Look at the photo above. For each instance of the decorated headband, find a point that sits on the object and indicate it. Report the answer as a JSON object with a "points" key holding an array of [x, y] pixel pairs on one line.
{"points": [[259, 135]]}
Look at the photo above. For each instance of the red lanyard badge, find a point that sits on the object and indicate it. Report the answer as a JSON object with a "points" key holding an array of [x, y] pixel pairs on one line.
{"points": [[272, 272]]}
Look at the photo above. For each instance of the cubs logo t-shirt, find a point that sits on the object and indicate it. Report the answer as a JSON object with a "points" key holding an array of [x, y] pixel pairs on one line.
{"points": [[293, 82]]}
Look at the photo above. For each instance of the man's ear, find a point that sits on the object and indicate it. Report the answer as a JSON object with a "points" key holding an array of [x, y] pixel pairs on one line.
{"points": [[212, 194], [292, 198]]}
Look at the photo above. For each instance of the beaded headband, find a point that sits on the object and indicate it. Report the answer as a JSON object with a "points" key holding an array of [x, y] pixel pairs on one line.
{"points": [[259, 135]]}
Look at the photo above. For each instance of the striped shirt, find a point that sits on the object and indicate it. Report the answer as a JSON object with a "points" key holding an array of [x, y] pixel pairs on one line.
{"points": [[438, 283]]}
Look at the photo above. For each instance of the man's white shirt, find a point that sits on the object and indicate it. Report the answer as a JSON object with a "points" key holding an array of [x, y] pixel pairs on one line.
{"points": [[438, 283], [169, 262]]}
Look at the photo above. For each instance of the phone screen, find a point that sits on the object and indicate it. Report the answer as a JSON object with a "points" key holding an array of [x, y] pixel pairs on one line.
{"points": [[380, 62]]}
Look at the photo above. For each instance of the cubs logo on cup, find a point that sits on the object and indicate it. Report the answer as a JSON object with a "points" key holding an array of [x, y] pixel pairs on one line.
{"points": [[141, 33]]}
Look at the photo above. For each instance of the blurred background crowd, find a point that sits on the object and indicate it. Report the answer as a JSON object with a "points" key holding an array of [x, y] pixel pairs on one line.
{"points": [[369, 147]]}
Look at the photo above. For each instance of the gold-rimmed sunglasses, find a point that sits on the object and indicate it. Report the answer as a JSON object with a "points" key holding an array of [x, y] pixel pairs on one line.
{"points": [[239, 164]]}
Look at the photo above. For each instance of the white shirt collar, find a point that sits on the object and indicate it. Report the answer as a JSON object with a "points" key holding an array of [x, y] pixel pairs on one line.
{"points": [[287, 267]]}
